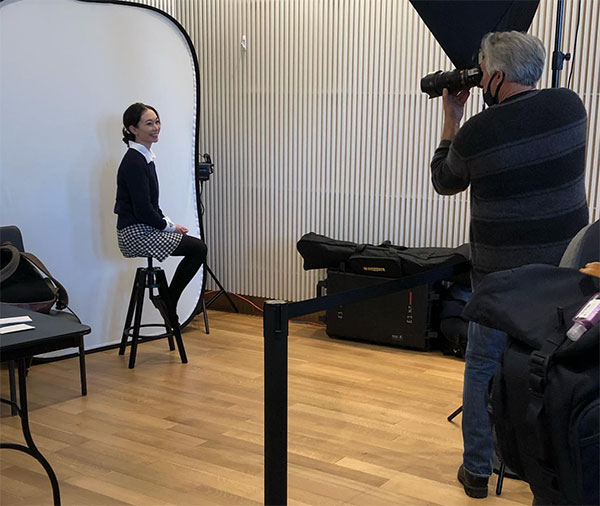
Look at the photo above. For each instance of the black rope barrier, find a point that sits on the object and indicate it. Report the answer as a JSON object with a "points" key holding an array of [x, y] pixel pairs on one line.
{"points": [[275, 330]]}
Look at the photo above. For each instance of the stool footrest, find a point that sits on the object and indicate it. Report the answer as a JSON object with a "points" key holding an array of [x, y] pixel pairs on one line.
{"points": [[130, 330], [145, 339]]}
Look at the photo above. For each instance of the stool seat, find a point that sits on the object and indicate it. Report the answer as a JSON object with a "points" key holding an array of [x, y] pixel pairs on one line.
{"points": [[153, 279]]}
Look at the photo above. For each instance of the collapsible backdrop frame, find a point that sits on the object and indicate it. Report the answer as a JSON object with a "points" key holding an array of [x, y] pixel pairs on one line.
{"points": [[68, 70]]}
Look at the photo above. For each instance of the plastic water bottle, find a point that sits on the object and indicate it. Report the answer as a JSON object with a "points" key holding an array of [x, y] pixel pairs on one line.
{"points": [[586, 318]]}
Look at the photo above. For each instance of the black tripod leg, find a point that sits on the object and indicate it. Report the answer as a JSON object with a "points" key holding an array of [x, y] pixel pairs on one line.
{"points": [[455, 413], [500, 479], [206, 327], [201, 307], [222, 291]]}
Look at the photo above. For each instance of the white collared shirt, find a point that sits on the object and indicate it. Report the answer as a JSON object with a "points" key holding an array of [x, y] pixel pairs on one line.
{"points": [[148, 153]]}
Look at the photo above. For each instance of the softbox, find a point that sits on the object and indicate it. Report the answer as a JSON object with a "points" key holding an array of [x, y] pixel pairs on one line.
{"points": [[459, 25]]}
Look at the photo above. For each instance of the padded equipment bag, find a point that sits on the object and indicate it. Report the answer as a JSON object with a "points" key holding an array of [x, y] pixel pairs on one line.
{"points": [[544, 399], [22, 282], [321, 252], [395, 262], [385, 260]]}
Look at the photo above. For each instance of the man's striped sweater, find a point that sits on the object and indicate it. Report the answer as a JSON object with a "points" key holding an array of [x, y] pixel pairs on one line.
{"points": [[524, 160]]}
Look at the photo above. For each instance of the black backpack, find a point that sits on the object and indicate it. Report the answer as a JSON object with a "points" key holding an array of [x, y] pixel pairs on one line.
{"points": [[544, 399]]}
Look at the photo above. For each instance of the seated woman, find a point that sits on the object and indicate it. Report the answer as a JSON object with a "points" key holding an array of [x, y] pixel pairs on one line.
{"points": [[142, 228]]}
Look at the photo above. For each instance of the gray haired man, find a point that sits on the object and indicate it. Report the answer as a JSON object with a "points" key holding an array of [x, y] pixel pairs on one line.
{"points": [[523, 159]]}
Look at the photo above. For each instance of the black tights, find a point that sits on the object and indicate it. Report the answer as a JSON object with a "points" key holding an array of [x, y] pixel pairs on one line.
{"points": [[193, 251]]}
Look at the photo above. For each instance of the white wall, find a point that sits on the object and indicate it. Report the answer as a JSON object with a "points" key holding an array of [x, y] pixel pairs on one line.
{"points": [[320, 126], [68, 70]]}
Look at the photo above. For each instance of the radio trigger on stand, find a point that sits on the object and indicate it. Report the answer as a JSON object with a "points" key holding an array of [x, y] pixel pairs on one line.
{"points": [[205, 168]]}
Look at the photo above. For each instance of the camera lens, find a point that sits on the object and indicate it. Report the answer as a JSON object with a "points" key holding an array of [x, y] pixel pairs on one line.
{"points": [[455, 80]]}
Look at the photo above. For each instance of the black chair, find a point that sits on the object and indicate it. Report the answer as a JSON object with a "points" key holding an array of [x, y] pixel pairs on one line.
{"points": [[12, 234], [583, 248], [154, 280]]}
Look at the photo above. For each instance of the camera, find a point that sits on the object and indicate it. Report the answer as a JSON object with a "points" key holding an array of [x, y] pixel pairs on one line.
{"points": [[455, 80]]}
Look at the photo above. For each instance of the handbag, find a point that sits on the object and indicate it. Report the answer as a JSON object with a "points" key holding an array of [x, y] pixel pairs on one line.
{"points": [[26, 282]]}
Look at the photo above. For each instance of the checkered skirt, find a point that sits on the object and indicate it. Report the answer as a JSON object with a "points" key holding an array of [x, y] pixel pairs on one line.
{"points": [[142, 240]]}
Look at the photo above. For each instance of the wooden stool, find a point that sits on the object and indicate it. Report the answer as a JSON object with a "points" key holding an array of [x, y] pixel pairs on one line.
{"points": [[150, 278]]}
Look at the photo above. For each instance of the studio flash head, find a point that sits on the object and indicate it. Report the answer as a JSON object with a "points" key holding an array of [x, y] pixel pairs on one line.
{"points": [[455, 80]]}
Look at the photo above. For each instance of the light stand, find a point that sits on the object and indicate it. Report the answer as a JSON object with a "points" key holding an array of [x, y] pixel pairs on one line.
{"points": [[203, 172], [558, 57]]}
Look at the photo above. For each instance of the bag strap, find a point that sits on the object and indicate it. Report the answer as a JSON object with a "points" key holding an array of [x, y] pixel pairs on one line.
{"points": [[359, 248], [63, 296], [9, 269], [539, 363]]}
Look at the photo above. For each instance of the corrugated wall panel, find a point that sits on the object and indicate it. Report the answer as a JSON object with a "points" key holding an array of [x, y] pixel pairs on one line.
{"points": [[320, 126]]}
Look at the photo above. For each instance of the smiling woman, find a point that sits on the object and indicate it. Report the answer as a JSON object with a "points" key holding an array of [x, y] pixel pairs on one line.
{"points": [[142, 228]]}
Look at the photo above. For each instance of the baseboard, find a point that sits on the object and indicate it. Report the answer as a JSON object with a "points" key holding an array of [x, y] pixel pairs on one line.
{"points": [[246, 305]]}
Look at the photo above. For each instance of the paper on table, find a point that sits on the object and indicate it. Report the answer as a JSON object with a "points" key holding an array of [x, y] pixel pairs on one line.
{"points": [[15, 328], [14, 319]]}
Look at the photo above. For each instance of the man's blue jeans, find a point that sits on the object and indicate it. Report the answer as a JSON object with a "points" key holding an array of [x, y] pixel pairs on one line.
{"points": [[484, 350]]}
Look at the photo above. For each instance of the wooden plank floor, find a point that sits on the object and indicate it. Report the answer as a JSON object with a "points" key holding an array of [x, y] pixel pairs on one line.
{"points": [[367, 425]]}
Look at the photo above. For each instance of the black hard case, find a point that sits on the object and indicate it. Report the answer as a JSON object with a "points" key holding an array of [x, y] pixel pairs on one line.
{"points": [[400, 319]]}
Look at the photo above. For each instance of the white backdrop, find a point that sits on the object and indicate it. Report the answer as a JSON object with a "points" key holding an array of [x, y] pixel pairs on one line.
{"points": [[68, 70]]}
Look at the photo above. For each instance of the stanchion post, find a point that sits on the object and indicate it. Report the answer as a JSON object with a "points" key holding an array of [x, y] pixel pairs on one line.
{"points": [[275, 327]]}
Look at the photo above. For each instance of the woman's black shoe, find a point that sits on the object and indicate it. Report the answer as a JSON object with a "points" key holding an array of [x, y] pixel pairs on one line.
{"points": [[475, 486]]}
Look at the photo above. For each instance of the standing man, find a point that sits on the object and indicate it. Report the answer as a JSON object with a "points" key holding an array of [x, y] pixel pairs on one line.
{"points": [[524, 159]]}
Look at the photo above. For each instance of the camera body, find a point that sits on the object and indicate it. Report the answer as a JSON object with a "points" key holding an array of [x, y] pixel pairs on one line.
{"points": [[455, 80]]}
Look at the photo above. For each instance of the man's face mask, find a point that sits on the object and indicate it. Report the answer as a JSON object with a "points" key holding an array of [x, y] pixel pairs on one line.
{"points": [[488, 98]]}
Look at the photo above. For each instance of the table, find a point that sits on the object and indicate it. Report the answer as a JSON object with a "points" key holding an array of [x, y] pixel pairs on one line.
{"points": [[50, 334]]}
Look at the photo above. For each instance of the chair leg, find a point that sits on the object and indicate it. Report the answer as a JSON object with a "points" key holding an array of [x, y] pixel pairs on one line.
{"points": [[82, 372], [170, 339], [167, 320], [130, 310], [174, 320], [12, 386], [161, 302], [137, 321], [179, 341], [158, 301]]}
